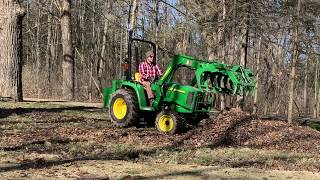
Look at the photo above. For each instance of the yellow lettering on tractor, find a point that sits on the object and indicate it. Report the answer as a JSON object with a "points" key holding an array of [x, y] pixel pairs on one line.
{"points": [[176, 90]]}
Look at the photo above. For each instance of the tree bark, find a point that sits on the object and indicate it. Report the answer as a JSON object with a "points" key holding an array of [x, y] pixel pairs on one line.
{"points": [[101, 64], [49, 53], [222, 48], [68, 52], [38, 63], [255, 100], [11, 49], [156, 19], [305, 87], [93, 54], [318, 102], [244, 38], [233, 34], [132, 23], [316, 79], [293, 64]]}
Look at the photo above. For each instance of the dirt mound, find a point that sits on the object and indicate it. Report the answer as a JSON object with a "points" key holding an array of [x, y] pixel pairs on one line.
{"points": [[237, 128]]}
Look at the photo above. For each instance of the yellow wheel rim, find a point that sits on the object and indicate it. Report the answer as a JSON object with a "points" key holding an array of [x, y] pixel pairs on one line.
{"points": [[120, 108], [166, 123]]}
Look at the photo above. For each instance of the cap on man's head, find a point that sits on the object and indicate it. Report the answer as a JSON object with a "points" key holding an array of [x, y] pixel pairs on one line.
{"points": [[149, 53]]}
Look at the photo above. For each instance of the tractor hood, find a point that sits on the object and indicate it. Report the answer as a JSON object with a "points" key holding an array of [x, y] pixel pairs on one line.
{"points": [[187, 98]]}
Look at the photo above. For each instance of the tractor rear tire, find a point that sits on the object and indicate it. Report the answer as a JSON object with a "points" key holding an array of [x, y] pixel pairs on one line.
{"points": [[168, 122], [124, 109]]}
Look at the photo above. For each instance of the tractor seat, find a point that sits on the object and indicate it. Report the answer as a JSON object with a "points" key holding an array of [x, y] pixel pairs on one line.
{"points": [[137, 76]]}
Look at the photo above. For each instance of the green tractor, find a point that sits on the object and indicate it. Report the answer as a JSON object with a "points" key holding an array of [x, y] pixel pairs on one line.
{"points": [[176, 103]]}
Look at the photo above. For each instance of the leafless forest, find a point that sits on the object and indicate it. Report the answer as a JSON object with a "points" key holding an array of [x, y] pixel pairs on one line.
{"points": [[65, 52], [72, 49]]}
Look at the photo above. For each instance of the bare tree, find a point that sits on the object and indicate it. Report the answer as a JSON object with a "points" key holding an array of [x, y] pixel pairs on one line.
{"points": [[49, 50], [244, 37], [255, 100], [68, 51], [293, 64], [222, 39], [316, 79], [11, 49]]}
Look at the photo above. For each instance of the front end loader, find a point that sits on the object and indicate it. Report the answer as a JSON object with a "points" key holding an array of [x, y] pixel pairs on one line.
{"points": [[175, 103]]}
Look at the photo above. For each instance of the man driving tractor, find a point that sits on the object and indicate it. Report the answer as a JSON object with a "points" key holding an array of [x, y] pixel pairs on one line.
{"points": [[174, 104], [149, 73]]}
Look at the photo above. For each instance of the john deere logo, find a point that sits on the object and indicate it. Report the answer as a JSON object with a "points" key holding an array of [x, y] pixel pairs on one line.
{"points": [[176, 90]]}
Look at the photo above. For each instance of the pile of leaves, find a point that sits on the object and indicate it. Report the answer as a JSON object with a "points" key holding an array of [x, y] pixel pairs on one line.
{"points": [[237, 128], [215, 131]]}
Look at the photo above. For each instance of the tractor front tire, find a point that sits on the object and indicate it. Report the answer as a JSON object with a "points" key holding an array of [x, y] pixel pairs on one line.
{"points": [[168, 122], [124, 109]]}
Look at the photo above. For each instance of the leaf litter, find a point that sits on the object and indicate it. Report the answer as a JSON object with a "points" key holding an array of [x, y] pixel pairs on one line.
{"points": [[232, 128]]}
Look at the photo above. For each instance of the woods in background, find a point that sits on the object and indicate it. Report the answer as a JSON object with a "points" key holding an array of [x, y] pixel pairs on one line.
{"points": [[72, 49]]}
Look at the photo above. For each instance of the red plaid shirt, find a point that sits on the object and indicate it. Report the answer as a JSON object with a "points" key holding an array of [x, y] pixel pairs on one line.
{"points": [[149, 72]]}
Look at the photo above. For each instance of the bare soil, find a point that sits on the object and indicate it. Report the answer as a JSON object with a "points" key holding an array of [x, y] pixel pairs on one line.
{"points": [[42, 140]]}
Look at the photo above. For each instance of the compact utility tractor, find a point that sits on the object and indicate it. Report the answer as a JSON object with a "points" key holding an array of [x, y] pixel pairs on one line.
{"points": [[175, 103]]}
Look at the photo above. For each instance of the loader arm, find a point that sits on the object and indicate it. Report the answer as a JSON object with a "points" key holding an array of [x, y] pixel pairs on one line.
{"points": [[213, 76]]}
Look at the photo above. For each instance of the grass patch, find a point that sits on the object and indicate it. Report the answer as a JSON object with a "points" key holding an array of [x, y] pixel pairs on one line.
{"points": [[238, 157], [97, 114]]}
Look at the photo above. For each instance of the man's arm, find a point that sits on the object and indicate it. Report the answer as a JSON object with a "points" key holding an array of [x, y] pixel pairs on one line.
{"points": [[159, 71]]}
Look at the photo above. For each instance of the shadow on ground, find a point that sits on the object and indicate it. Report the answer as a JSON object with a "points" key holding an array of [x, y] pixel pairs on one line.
{"points": [[21, 111], [41, 163]]}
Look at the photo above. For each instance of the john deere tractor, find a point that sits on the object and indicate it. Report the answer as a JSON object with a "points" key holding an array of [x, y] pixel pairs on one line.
{"points": [[176, 102]]}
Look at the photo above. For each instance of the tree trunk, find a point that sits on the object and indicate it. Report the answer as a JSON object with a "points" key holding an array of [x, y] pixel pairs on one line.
{"points": [[156, 23], [68, 53], [101, 64], [318, 103], [233, 34], [305, 87], [131, 29], [83, 78], [11, 49], [293, 65], [280, 64], [38, 63], [255, 100], [93, 55], [132, 25], [316, 80], [121, 55], [244, 37], [49, 50], [222, 48], [165, 24]]}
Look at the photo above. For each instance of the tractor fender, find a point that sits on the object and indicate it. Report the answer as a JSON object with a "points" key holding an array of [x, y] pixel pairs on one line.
{"points": [[139, 91]]}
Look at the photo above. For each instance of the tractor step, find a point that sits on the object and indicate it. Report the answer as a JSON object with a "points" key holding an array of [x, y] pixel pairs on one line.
{"points": [[147, 108]]}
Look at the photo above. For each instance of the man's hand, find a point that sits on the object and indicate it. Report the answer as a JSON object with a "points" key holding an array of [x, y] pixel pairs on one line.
{"points": [[152, 79]]}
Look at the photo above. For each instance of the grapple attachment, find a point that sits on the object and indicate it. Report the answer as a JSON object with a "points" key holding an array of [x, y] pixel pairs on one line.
{"points": [[226, 79]]}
